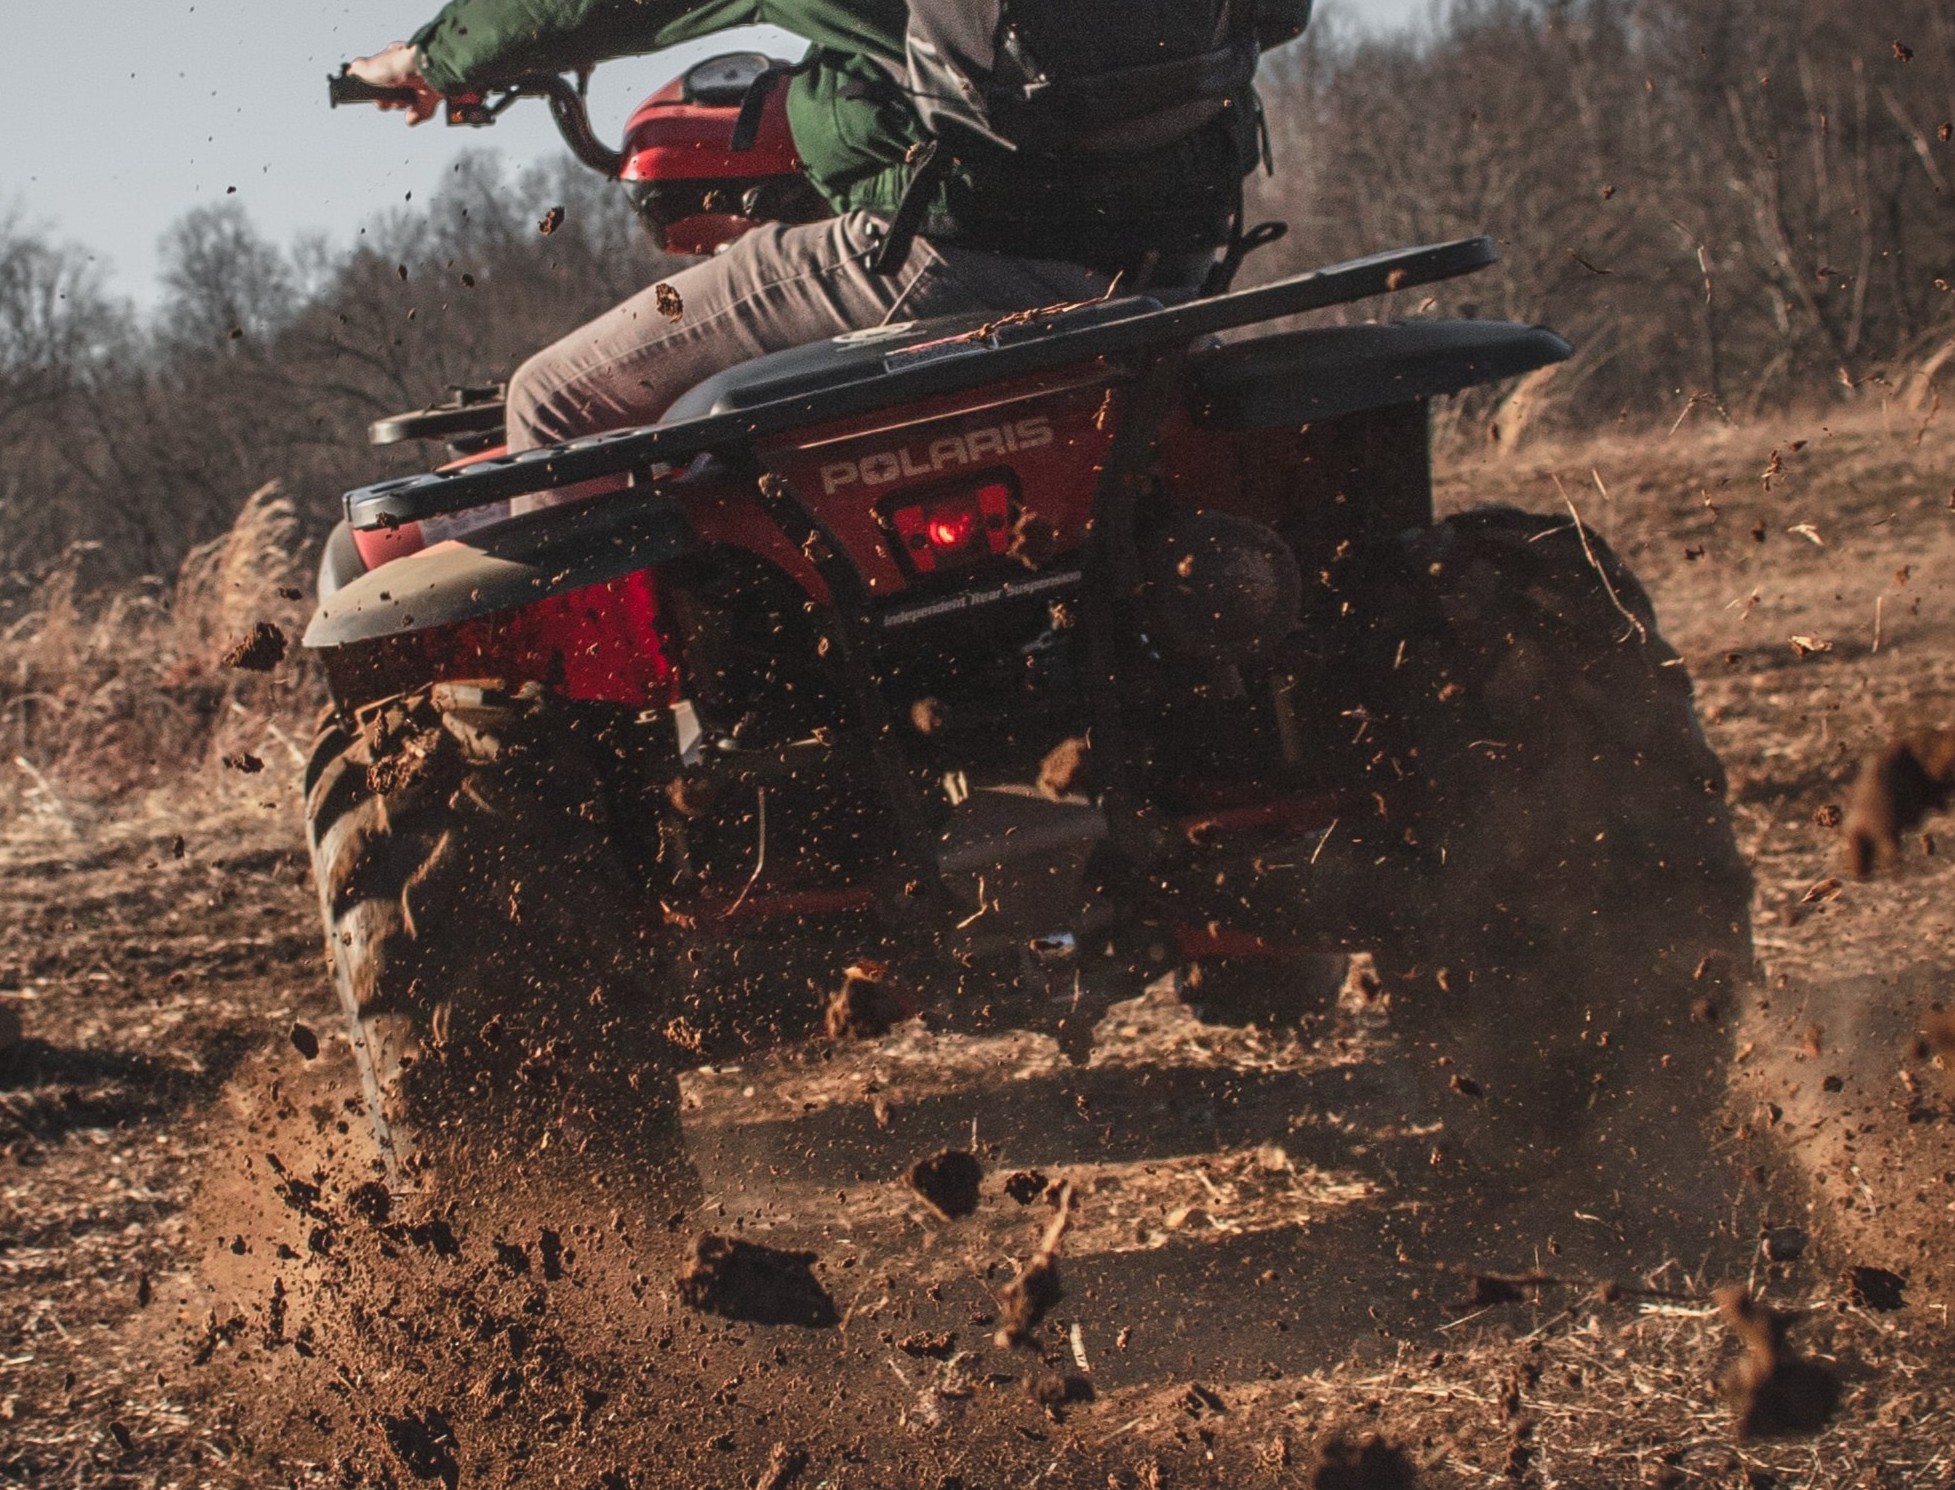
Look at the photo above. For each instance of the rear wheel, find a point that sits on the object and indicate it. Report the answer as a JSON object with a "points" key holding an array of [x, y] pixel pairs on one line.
{"points": [[1585, 908], [482, 932]]}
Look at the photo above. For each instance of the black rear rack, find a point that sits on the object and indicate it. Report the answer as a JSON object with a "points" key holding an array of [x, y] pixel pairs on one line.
{"points": [[905, 376]]}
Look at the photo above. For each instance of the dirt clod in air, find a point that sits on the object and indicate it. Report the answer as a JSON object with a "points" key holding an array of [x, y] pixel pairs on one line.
{"points": [[1053, 1390], [1063, 767], [1896, 791], [1937, 1038], [784, 1466], [1030, 1295], [550, 221], [244, 761], [304, 1040], [927, 716], [1025, 1185], [868, 1004], [259, 650], [764, 1285], [669, 303], [1027, 1298], [1876, 1288], [1772, 1390], [947, 1182], [1370, 1463]]}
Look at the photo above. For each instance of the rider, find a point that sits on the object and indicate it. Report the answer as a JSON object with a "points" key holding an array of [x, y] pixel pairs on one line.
{"points": [[999, 230]]}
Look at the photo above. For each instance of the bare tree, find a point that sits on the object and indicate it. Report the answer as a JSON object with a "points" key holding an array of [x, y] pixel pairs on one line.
{"points": [[54, 322]]}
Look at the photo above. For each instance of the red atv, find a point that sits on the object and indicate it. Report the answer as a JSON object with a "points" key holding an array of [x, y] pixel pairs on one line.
{"points": [[991, 670]]}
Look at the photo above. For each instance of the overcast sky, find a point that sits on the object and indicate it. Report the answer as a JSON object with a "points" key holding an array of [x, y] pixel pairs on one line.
{"points": [[119, 115]]}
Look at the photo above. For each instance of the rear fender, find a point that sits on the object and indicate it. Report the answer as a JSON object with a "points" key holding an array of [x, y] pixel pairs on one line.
{"points": [[565, 596], [504, 567]]}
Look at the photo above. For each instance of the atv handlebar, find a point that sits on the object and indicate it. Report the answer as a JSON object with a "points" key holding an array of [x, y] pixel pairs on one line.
{"points": [[344, 87], [567, 108]]}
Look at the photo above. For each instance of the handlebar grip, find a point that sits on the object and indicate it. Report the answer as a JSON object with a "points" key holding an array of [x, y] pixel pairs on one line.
{"points": [[343, 87]]}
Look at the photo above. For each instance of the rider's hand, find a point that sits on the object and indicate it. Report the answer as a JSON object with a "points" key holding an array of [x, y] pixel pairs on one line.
{"points": [[399, 66]]}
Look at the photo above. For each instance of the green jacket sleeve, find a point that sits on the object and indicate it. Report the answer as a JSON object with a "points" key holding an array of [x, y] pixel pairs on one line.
{"points": [[473, 42]]}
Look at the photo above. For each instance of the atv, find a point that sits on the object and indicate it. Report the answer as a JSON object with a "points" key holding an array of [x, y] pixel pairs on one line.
{"points": [[992, 670]]}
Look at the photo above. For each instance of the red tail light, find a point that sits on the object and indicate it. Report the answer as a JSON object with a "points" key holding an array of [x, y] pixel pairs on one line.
{"points": [[955, 528]]}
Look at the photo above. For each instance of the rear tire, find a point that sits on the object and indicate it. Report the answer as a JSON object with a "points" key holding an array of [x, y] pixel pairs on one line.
{"points": [[482, 934], [1569, 967]]}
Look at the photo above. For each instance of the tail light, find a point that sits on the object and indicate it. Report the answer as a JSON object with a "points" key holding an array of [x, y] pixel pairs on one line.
{"points": [[954, 529]]}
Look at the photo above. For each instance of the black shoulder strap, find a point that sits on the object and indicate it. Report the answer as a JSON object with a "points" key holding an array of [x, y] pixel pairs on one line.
{"points": [[753, 103], [926, 172]]}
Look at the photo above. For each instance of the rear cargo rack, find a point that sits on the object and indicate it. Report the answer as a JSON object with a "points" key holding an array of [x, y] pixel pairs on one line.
{"points": [[1024, 347]]}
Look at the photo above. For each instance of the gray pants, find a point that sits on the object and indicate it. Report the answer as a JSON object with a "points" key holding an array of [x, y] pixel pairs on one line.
{"points": [[774, 288]]}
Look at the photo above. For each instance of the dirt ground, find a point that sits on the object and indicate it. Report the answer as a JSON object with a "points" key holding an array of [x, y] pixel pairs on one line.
{"points": [[1262, 1256]]}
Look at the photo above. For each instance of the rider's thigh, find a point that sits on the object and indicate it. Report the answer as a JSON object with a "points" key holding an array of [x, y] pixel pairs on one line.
{"points": [[773, 288]]}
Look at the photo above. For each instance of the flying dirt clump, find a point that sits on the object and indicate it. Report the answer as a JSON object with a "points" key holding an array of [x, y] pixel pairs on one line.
{"points": [[1937, 1039], [1897, 789], [763, 1285], [1876, 1289], [1773, 1391], [259, 650], [1053, 1390], [1368, 1464], [1025, 1185], [784, 1466], [947, 1182], [868, 1004], [1030, 1295], [1063, 768]]}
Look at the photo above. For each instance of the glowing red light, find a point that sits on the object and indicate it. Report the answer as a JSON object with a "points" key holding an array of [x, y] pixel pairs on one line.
{"points": [[950, 530]]}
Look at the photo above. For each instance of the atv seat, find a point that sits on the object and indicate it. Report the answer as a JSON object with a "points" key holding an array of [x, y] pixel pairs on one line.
{"points": [[865, 356]]}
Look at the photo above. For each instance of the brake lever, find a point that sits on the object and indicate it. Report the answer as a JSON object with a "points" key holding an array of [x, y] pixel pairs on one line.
{"points": [[473, 109]]}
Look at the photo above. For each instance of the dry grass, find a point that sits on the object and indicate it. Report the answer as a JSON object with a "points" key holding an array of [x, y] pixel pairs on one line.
{"points": [[1597, 1395], [106, 694]]}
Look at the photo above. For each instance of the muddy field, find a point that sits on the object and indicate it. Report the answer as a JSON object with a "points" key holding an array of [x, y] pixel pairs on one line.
{"points": [[1266, 1278]]}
